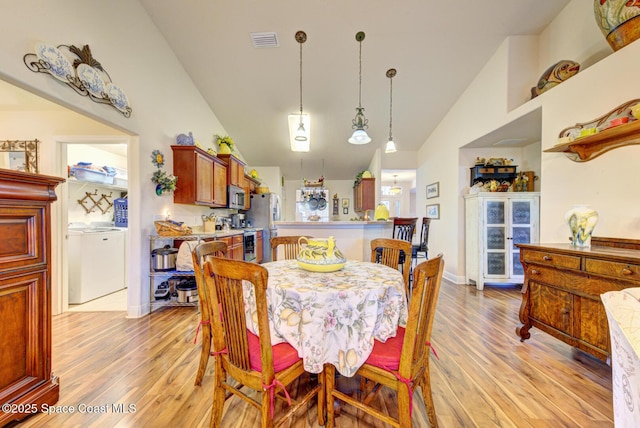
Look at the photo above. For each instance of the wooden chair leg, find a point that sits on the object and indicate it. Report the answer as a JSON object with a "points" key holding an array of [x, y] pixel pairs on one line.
{"points": [[425, 385], [267, 418], [404, 411], [219, 396], [204, 354]]}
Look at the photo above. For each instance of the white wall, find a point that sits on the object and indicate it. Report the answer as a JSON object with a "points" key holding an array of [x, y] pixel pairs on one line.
{"points": [[163, 98], [488, 104]]}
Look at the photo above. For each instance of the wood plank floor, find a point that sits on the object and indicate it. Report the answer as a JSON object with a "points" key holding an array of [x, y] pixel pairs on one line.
{"points": [[484, 377]]}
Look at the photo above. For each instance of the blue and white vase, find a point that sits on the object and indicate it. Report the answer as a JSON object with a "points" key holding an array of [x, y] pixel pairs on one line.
{"points": [[581, 220]]}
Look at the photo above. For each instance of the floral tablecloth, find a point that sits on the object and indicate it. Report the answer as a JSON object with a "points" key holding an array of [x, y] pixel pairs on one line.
{"points": [[331, 317]]}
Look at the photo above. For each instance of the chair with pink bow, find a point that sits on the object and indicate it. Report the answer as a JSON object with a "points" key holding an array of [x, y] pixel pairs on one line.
{"points": [[250, 359], [401, 364]]}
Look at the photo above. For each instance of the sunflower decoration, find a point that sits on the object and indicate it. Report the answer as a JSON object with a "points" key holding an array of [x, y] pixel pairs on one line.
{"points": [[157, 158]]}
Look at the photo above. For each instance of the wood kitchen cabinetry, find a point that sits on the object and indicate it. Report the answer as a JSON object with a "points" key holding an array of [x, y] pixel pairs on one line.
{"points": [[364, 195], [562, 288], [235, 169], [235, 246], [26, 379], [202, 178], [495, 222]]}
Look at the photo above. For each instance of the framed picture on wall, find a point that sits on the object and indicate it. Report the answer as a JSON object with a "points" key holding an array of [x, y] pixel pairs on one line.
{"points": [[433, 211], [433, 190]]}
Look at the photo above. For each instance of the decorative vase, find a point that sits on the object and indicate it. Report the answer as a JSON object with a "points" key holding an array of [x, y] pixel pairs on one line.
{"points": [[581, 220], [381, 213], [159, 190], [320, 255], [619, 21], [224, 149]]}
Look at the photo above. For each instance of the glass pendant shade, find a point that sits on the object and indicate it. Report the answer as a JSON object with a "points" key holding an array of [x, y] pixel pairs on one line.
{"points": [[391, 146], [360, 136], [300, 132]]}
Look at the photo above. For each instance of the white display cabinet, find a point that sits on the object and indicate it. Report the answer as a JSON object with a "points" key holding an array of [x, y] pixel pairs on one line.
{"points": [[495, 222]]}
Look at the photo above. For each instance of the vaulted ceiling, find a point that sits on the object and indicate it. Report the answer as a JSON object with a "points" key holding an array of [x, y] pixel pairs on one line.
{"points": [[436, 46]]}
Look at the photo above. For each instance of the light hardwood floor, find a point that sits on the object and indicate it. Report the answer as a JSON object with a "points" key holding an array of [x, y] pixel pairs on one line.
{"points": [[483, 376]]}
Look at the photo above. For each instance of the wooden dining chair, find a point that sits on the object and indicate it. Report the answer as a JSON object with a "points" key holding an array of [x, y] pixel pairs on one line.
{"points": [[402, 362], [247, 358], [289, 245], [421, 249], [199, 254], [390, 252]]}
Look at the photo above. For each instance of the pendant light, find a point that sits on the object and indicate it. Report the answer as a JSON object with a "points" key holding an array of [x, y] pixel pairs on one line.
{"points": [[360, 122], [300, 124], [395, 189], [391, 145]]}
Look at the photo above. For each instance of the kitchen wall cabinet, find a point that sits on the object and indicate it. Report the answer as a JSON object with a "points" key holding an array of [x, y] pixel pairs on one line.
{"points": [[247, 192], [494, 223], [562, 288], [235, 169], [26, 378], [364, 195], [202, 177]]}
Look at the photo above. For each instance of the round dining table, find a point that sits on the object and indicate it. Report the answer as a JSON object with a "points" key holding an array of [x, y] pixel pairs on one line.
{"points": [[331, 317]]}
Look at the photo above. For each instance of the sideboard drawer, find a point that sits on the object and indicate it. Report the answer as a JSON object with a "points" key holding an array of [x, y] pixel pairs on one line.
{"points": [[624, 271], [551, 259]]}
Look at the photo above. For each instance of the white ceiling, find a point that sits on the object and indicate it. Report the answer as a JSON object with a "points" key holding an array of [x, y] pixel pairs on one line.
{"points": [[436, 46]]}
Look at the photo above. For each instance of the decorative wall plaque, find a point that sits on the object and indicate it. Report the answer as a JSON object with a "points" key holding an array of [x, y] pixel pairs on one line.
{"points": [[81, 71]]}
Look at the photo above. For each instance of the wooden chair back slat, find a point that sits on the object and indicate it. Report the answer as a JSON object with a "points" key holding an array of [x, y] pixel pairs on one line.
{"points": [[289, 245], [389, 252]]}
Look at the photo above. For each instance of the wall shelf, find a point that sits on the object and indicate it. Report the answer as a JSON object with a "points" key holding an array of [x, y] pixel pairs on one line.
{"points": [[586, 148]]}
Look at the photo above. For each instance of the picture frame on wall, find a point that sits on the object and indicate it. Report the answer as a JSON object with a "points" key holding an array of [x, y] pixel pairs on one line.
{"points": [[433, 190], [433, 211]]}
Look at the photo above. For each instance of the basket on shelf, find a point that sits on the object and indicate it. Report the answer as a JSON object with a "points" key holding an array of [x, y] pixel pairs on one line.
{"points": [[171, 228]]}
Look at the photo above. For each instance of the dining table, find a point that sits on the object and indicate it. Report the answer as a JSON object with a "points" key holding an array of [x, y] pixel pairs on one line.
{"points": [[331, 317]]}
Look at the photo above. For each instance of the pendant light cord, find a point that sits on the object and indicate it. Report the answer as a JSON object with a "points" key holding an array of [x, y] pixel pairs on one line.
{"points": [[301, 81], [360, 76], [390, 105]]}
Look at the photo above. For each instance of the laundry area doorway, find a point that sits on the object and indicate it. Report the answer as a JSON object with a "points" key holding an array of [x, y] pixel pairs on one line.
{"points": [[94, 262]]}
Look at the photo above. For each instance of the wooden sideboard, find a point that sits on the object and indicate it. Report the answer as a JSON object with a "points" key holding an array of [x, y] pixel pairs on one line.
{"points": [[562, 288], [26, 380]]}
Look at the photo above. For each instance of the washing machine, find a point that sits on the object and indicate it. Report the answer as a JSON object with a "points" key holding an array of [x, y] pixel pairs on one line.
{"points": [[96, 263]]}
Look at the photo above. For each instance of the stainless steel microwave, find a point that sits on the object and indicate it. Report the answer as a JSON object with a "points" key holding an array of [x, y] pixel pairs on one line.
{"points": [[236, 197]]}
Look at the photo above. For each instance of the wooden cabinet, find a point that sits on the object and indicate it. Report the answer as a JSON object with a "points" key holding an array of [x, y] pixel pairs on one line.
{"points": [[495, 222], [235, 246], [247, 193], [202, 178], [235, 169], [259, 249], [364, 195], [562, 288], [26, 378]]}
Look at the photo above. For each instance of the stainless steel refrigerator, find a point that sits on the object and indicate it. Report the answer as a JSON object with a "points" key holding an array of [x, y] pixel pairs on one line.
{"points": [[264, 211]]}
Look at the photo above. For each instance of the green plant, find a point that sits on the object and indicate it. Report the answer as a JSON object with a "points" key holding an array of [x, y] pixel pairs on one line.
{"points": [[166, 182], [224, 140]]}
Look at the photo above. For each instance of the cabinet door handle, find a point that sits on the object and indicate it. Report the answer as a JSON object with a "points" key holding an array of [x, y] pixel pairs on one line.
{"points": [[627, 271], [547, 258], [535, 272]]}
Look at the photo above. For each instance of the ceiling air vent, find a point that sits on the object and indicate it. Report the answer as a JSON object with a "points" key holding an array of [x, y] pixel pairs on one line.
{"points": [[265, 40]]}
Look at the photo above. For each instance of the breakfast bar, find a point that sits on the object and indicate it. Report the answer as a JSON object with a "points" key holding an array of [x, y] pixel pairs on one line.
{"points": [[352, 237]]}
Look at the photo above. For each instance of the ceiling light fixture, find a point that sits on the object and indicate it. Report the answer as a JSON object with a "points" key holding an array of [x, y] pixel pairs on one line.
{"points": [[395, 189], [391, 145], [300, 124], [360, 122]]}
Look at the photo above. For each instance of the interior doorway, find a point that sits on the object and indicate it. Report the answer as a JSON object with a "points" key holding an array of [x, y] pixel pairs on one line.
{"points": [[94, 253]]}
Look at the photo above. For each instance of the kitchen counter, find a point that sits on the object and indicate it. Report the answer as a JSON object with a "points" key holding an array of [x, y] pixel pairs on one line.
{"points": [[352, 237], [199, 233]]}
